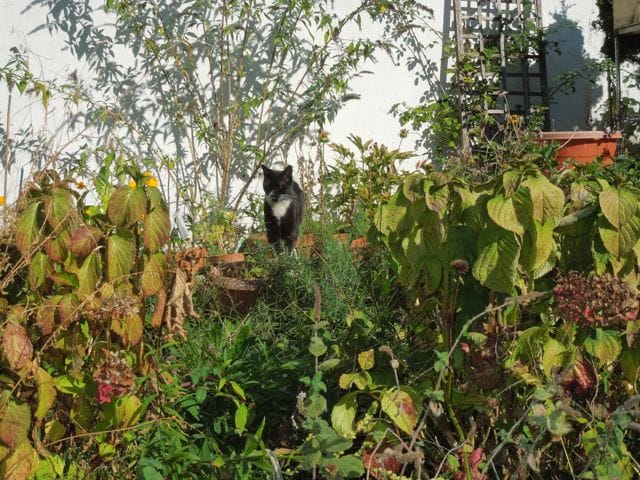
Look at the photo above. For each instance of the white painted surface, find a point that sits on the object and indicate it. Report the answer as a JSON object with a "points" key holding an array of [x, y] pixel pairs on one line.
{"points": [[367, 117]]}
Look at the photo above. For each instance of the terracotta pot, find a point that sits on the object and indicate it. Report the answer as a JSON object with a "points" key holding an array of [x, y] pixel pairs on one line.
{"points": [[341, 237], [583, 146], [256, 240], [358, 243], [306, 241], [237, 294]]}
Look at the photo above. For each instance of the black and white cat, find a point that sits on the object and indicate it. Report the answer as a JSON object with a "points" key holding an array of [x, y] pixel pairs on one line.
{"points": [[283, 205]]}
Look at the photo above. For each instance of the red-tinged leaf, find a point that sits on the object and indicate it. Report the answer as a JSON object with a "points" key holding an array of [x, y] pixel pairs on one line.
{"points": [[15, 422], [59, 209], [28, 228], [68, 309], [46, 393], [57, 246], [17, 346], [46, 314], [84, 240], [378, 463], [120, 255], [398, 405], [129, 328], [153, 274], [127, 205], [39, 268], [22, 463], [89, 275], [157, 229], [155, 198], [64, 279]]}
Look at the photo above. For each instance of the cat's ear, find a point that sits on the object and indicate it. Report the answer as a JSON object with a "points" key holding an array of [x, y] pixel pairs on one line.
{"points": [[288, 171], [265, 169]]}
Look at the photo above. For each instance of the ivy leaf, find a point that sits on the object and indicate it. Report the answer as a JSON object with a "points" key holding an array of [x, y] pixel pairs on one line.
{"points": [[605, 346], [46, 393], [153, 274], [120, 255], [15, 422], [399, 407], [17, 346], [127, 205], [84, 240], [89, 275], [28, 228], [497, 262], [343, 415], [157, 229]]}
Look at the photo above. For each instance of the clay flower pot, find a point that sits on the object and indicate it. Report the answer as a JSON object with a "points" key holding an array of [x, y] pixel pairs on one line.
{"points": [[235, 291], [583, 147], [358, 243]]}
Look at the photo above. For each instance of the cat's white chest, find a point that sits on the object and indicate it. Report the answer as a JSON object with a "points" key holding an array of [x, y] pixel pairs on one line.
{"points": [[279, 208]]}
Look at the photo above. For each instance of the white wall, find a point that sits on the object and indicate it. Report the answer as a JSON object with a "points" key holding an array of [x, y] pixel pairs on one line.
{"points": [[367, 117]]}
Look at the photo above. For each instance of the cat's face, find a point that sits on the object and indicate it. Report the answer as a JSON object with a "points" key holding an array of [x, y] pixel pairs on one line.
{"points": [[276, 182]]}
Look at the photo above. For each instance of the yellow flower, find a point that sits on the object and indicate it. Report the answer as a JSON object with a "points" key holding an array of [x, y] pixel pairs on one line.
{"points": [[2, 200], [80, 185], [147, 174], [133, 184], [152, 182]]}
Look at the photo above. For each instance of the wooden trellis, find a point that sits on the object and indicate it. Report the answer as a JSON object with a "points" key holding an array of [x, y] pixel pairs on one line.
{"points": [[481, 24]]}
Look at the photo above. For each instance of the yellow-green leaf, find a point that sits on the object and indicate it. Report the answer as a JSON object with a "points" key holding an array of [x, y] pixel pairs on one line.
{"points": [[128, 410], [157, 229], [497, 263], [343, 415], [367, 360], [17, 346], [503, 212], [22, 463], [28, 228], [618, 206], [15, 422], [127, 205], [120, 255], [89, 275], [59, 210], [46, 393], [84, 240], [553, 356], [547, 199], [399, 407]]}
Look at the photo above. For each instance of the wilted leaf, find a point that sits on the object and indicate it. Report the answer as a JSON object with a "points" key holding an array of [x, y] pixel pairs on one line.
{"points": [[129, 328], [127, 205], [398, 405], [120, 255], [28, 228], [15, 422], [46, 393], [17, 346], [46, 314], [157, 229], [68, 311], [56, 246], [84, 240], [153, 274], [22, 463]]}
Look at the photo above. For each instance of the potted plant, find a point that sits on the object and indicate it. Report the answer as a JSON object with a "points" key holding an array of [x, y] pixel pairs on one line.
{"points": [[583, 146], [238, 284]]}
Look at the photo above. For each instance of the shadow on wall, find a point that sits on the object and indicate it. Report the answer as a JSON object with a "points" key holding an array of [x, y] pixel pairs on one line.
{"points": [[572, 75]]}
